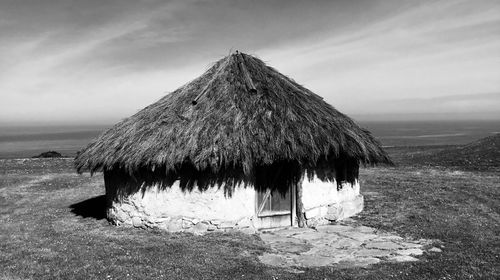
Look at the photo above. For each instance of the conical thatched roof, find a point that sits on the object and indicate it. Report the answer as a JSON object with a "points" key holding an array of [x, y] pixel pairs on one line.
{"points": [[237, 118]]}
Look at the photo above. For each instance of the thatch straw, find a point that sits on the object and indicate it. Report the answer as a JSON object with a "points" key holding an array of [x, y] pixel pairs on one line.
{"points": [[233, 135]]}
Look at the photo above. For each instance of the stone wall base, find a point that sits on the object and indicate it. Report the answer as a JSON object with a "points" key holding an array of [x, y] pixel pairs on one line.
{"points": [[127, 213], [124, 214]]}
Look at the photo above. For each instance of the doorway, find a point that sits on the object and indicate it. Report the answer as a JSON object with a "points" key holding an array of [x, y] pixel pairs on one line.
{"points": [[274, 209]]}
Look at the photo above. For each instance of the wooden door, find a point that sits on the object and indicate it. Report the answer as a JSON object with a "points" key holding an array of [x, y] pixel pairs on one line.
{"points": [[274, 209]]}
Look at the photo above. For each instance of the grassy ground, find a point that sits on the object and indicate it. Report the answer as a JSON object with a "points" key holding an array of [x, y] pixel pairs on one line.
{"points": [[52, 226]]}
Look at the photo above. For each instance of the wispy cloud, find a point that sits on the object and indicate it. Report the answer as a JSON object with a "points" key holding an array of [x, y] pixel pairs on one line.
{"points": [[101, 61]]}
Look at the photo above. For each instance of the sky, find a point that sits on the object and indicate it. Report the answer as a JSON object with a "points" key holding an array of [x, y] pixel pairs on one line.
{"points": [[96, 62]]}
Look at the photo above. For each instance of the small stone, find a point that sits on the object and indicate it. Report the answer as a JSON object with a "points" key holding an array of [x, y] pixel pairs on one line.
{"points": [[435, 250], [388, 237], [411, 245], [215, 222], [211, 228], [136, 222], [385, 245], [199, 228], [403, 259], [119, 215], [163, 226], [127, 208], [163, 220], [410, 252], [366, 261], [175, 226], [372, 253], [313, 222], [225, 224], [334, 213]]}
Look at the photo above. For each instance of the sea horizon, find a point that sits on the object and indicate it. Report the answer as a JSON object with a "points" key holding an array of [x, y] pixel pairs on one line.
{"points": [[30, 140]]}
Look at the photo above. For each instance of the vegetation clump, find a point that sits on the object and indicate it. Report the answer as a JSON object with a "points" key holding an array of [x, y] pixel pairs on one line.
{"points": [[49, 154]]}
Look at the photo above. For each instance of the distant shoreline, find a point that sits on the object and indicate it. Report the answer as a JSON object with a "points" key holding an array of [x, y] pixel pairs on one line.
{"points": [[28, 141]]}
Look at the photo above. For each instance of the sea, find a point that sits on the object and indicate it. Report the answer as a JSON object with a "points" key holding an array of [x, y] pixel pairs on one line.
{"points": [[29, 141]]}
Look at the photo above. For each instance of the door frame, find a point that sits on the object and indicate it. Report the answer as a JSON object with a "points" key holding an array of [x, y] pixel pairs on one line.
{"points": [[293, 215]]}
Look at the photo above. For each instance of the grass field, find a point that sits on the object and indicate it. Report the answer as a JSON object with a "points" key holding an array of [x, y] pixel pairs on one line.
{"points": [[52, 226]]}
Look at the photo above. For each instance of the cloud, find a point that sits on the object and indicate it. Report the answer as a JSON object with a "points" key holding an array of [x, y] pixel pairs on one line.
{"points": [[103, 60], [416, 52]]}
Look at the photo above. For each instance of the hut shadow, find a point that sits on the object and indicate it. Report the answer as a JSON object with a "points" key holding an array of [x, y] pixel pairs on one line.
{"points": [[91, 208]]}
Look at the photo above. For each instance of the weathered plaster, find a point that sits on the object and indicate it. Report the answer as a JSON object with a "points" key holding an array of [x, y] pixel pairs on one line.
{"points": [[174, 210], [323, 203]]}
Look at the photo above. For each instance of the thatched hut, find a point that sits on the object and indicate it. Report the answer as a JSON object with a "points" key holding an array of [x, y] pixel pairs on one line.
{"points": [[241, 146]]}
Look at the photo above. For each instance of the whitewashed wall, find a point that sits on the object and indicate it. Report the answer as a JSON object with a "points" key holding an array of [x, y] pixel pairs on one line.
{"points": [[174, 210], [323, 203]]}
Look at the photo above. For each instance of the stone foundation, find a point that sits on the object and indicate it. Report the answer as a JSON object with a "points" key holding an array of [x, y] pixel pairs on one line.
{"points": [[174, 210]]}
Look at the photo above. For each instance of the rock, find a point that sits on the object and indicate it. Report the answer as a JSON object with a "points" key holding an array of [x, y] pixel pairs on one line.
{"points": [[163, 220], [410, 252], [211, 227], [402, 259], [163, 226], [136, 222], [313, 222], [199, 228], [364, 252], [225, 224], [186, 224], [435, 250], [215, 222], [175, 226], [335, 212], [366, 261], [411, 245], [127, 208], [385, 245], [388, 237], [118, 215]]}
